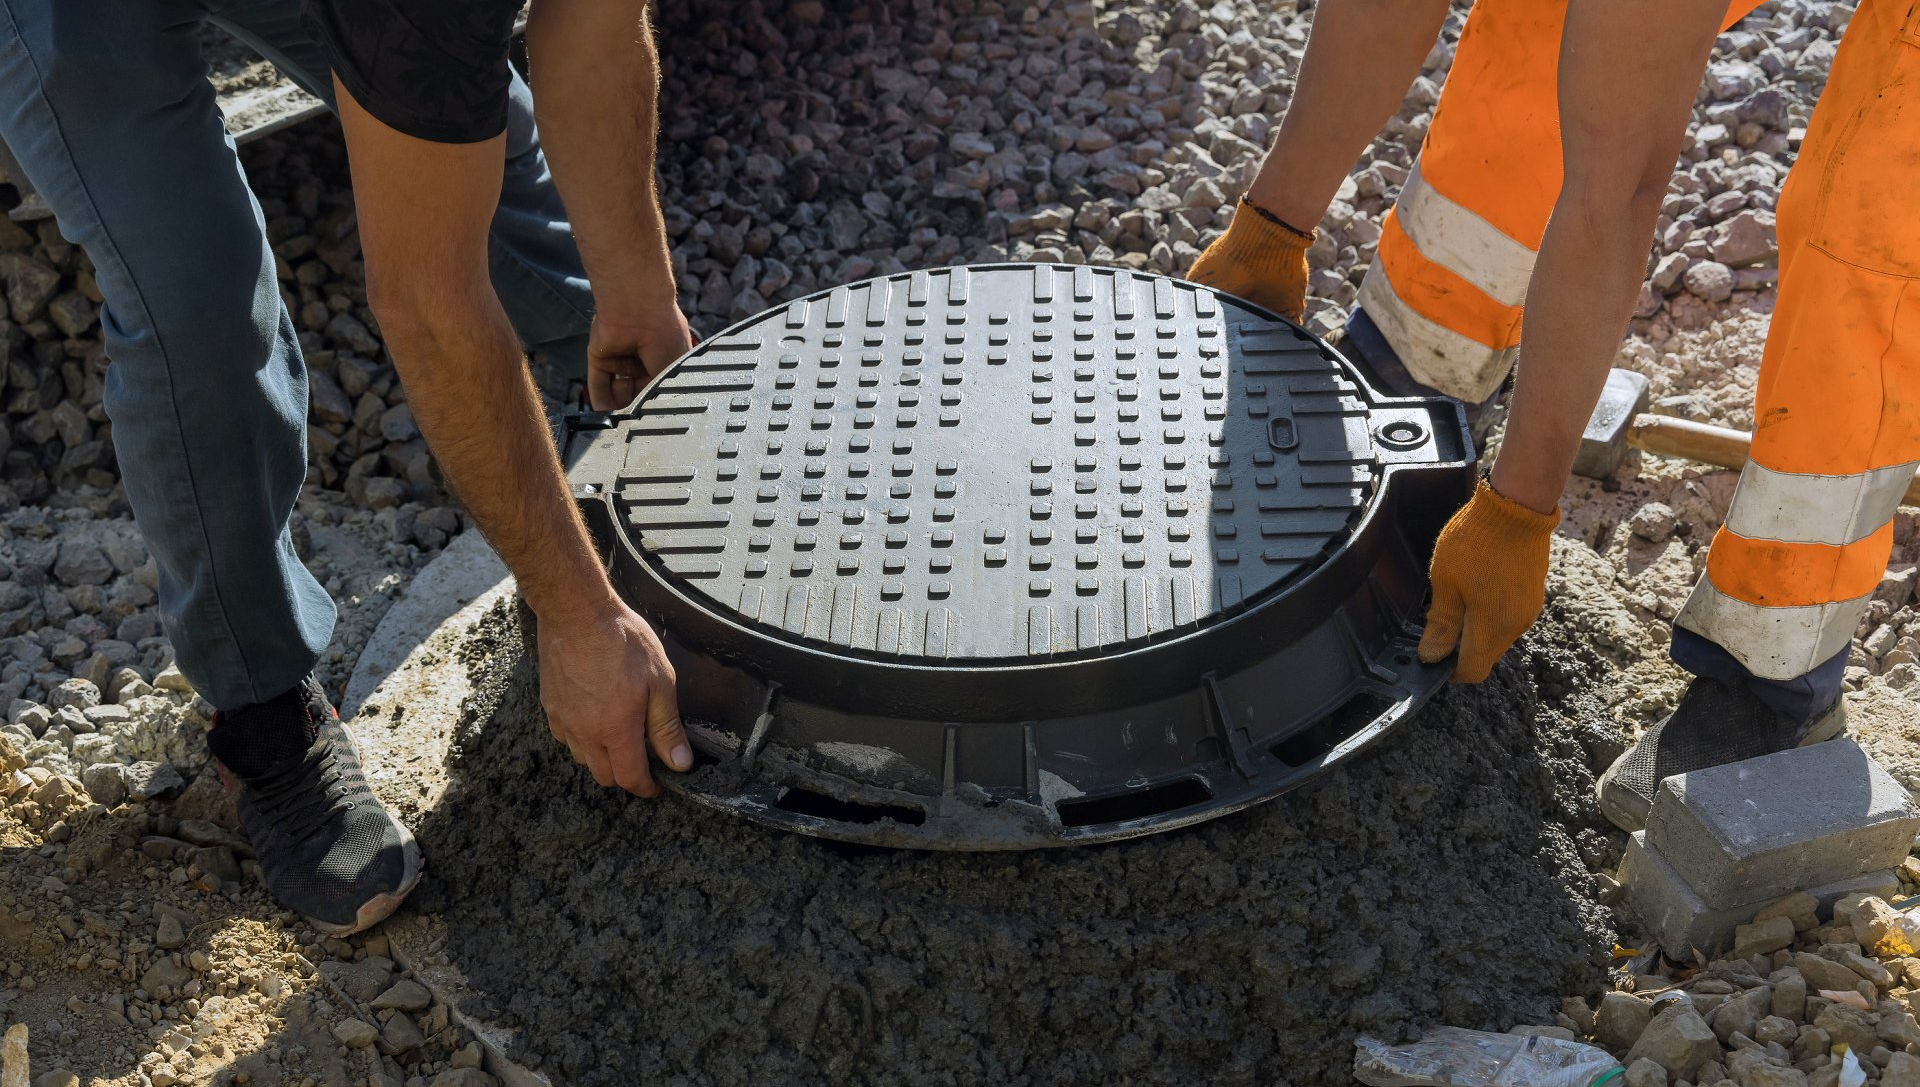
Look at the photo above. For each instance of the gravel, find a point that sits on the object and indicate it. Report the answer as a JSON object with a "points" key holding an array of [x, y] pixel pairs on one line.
{"points": [[1830, 989], [805, 145]]}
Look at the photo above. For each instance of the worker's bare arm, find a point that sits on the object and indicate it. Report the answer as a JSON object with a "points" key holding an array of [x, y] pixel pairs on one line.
{"points": [[1361, 58], [598, 73], [1629, 70], [424, 210]]}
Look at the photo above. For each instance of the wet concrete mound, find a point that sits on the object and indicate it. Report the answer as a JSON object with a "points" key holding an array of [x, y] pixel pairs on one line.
{"points": [[624, 941]]}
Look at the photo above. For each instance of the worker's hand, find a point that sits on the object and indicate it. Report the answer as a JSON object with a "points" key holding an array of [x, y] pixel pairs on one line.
{"points": [[1259, 259], [1489, 582], [608, 690], [622, 357]]}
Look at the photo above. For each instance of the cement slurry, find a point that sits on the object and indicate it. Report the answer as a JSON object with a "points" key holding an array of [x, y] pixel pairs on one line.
{"points": [[619, 940]]}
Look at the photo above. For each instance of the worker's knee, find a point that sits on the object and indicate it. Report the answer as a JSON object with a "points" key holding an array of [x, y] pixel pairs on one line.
{"points": [[1602, 196]]}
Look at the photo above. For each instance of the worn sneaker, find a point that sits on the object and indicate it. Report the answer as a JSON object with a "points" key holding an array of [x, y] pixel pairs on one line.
{"points": [[329, 851], [1363, 344], [1714, 724]]}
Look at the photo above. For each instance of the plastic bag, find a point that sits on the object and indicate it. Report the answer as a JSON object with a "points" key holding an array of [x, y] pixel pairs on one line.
{"points": [[1453, 1057], [1851, 1073]]}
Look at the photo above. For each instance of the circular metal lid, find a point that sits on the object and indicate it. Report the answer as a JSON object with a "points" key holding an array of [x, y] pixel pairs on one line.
{"points": [[1022, 554], [993, 465]]}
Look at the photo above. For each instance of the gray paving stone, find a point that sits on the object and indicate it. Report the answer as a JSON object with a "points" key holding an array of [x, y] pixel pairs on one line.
{"points": [[1763, 828], [1676, 916]]}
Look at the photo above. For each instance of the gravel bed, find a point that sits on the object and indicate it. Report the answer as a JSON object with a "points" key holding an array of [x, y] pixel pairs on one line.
{"points": [[808, 144]]}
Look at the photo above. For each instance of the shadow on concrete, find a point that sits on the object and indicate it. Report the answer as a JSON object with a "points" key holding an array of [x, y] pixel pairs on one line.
{"points": [[611, 938]]}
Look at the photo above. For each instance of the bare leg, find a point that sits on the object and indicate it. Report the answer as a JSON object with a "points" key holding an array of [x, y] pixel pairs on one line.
{"points": [[1628, 72], [1362, 56]]}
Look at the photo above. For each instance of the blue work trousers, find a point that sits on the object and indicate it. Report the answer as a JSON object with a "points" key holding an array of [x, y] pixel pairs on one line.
{"points": [[107, 106]]}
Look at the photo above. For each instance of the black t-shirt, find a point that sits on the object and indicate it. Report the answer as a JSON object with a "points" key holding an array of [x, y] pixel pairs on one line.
{"points": [[435, 69]]}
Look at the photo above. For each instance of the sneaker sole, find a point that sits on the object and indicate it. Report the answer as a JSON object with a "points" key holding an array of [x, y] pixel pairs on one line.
{"points": [[381, 907], [1627, 809]]}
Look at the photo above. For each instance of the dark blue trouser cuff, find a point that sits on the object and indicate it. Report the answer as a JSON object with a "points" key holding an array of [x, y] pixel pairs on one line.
{"points": [[1802, 698]]}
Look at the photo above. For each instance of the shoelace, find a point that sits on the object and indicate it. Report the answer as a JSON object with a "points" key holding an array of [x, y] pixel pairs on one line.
{"points": [[301, 798]]}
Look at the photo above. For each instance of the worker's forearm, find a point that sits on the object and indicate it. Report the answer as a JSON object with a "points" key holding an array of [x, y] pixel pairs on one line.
{"points": [[1362, 56], [597, 77], [1584, 285], [467, 383], [1628, 72]]}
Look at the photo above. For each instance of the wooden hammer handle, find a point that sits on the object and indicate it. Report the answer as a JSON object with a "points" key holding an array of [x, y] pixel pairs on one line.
{"points": [[1703, 442], [1707, 444]]}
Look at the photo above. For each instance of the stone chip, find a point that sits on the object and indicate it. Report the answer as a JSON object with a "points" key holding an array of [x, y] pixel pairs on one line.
{"points": [[1646, 1073], [1763, 937], [362, 980], [1619, 1020], [1678, 1040], [405, 994], [355, 1033]]}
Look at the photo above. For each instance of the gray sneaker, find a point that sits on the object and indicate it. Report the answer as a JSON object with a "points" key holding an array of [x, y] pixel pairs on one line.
{"points": [[330, 852], [1714, 724]]}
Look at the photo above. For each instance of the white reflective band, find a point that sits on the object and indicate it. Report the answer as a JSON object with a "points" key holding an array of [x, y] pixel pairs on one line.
{"points": [[1796, 508], [1773, 643], [1464, 243], [1435, 355]]}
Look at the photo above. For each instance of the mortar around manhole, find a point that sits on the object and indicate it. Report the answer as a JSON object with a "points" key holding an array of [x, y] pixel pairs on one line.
{"points": [[1020, 555]]}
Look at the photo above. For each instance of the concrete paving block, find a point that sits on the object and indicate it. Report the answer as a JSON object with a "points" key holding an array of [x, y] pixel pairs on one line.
{"points": [[1679, 920], [1673, 912], [1759, 829]]}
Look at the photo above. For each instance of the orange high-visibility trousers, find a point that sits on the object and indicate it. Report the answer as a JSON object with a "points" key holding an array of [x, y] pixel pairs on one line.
{"points": [[1837, 410], [1457, 249]]}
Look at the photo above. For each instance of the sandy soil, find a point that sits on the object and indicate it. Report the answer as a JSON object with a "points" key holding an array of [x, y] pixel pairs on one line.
{"points": [[1450, 878]]}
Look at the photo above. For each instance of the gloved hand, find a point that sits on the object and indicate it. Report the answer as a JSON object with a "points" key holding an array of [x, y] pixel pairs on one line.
{"points": [[1489, 582], [1260, 259]]}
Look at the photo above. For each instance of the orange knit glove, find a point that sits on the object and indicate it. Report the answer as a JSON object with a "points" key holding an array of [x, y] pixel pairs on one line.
{"points": [[1260, 259], [1489, 582]]}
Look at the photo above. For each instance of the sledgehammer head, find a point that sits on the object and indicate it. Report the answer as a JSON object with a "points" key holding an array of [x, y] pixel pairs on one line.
{"points": [[1604, 444]]}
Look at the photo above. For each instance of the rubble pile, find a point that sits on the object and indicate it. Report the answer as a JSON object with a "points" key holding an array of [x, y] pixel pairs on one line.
{"points": [[1797, 994], [805, 145]]}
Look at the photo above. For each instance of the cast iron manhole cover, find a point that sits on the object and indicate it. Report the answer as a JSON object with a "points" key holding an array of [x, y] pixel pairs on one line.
{"points": [[1020, 555]]}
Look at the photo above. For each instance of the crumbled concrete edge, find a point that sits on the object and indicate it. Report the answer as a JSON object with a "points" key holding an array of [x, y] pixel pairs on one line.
{"points": [[405, 727], [466, 571], [405, 699]]}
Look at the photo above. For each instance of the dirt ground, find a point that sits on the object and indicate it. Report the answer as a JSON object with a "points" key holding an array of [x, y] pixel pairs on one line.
{"points": [[1456, 876], [101, 978], [240, 993]]}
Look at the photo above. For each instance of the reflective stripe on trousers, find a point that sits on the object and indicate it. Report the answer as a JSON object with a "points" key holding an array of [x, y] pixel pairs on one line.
{"points": [[1837, 408], [1457, 250]]}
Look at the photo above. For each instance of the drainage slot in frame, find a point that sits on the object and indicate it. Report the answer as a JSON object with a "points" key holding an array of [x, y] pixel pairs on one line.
{"points": [[1324, 735], [821, 806]]}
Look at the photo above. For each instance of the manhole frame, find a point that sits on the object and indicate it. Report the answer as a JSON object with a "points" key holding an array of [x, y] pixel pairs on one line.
{"points": [[746, 773]]}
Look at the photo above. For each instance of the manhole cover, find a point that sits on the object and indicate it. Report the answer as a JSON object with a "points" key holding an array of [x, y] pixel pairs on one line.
{"points": [[1019, 555]]}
